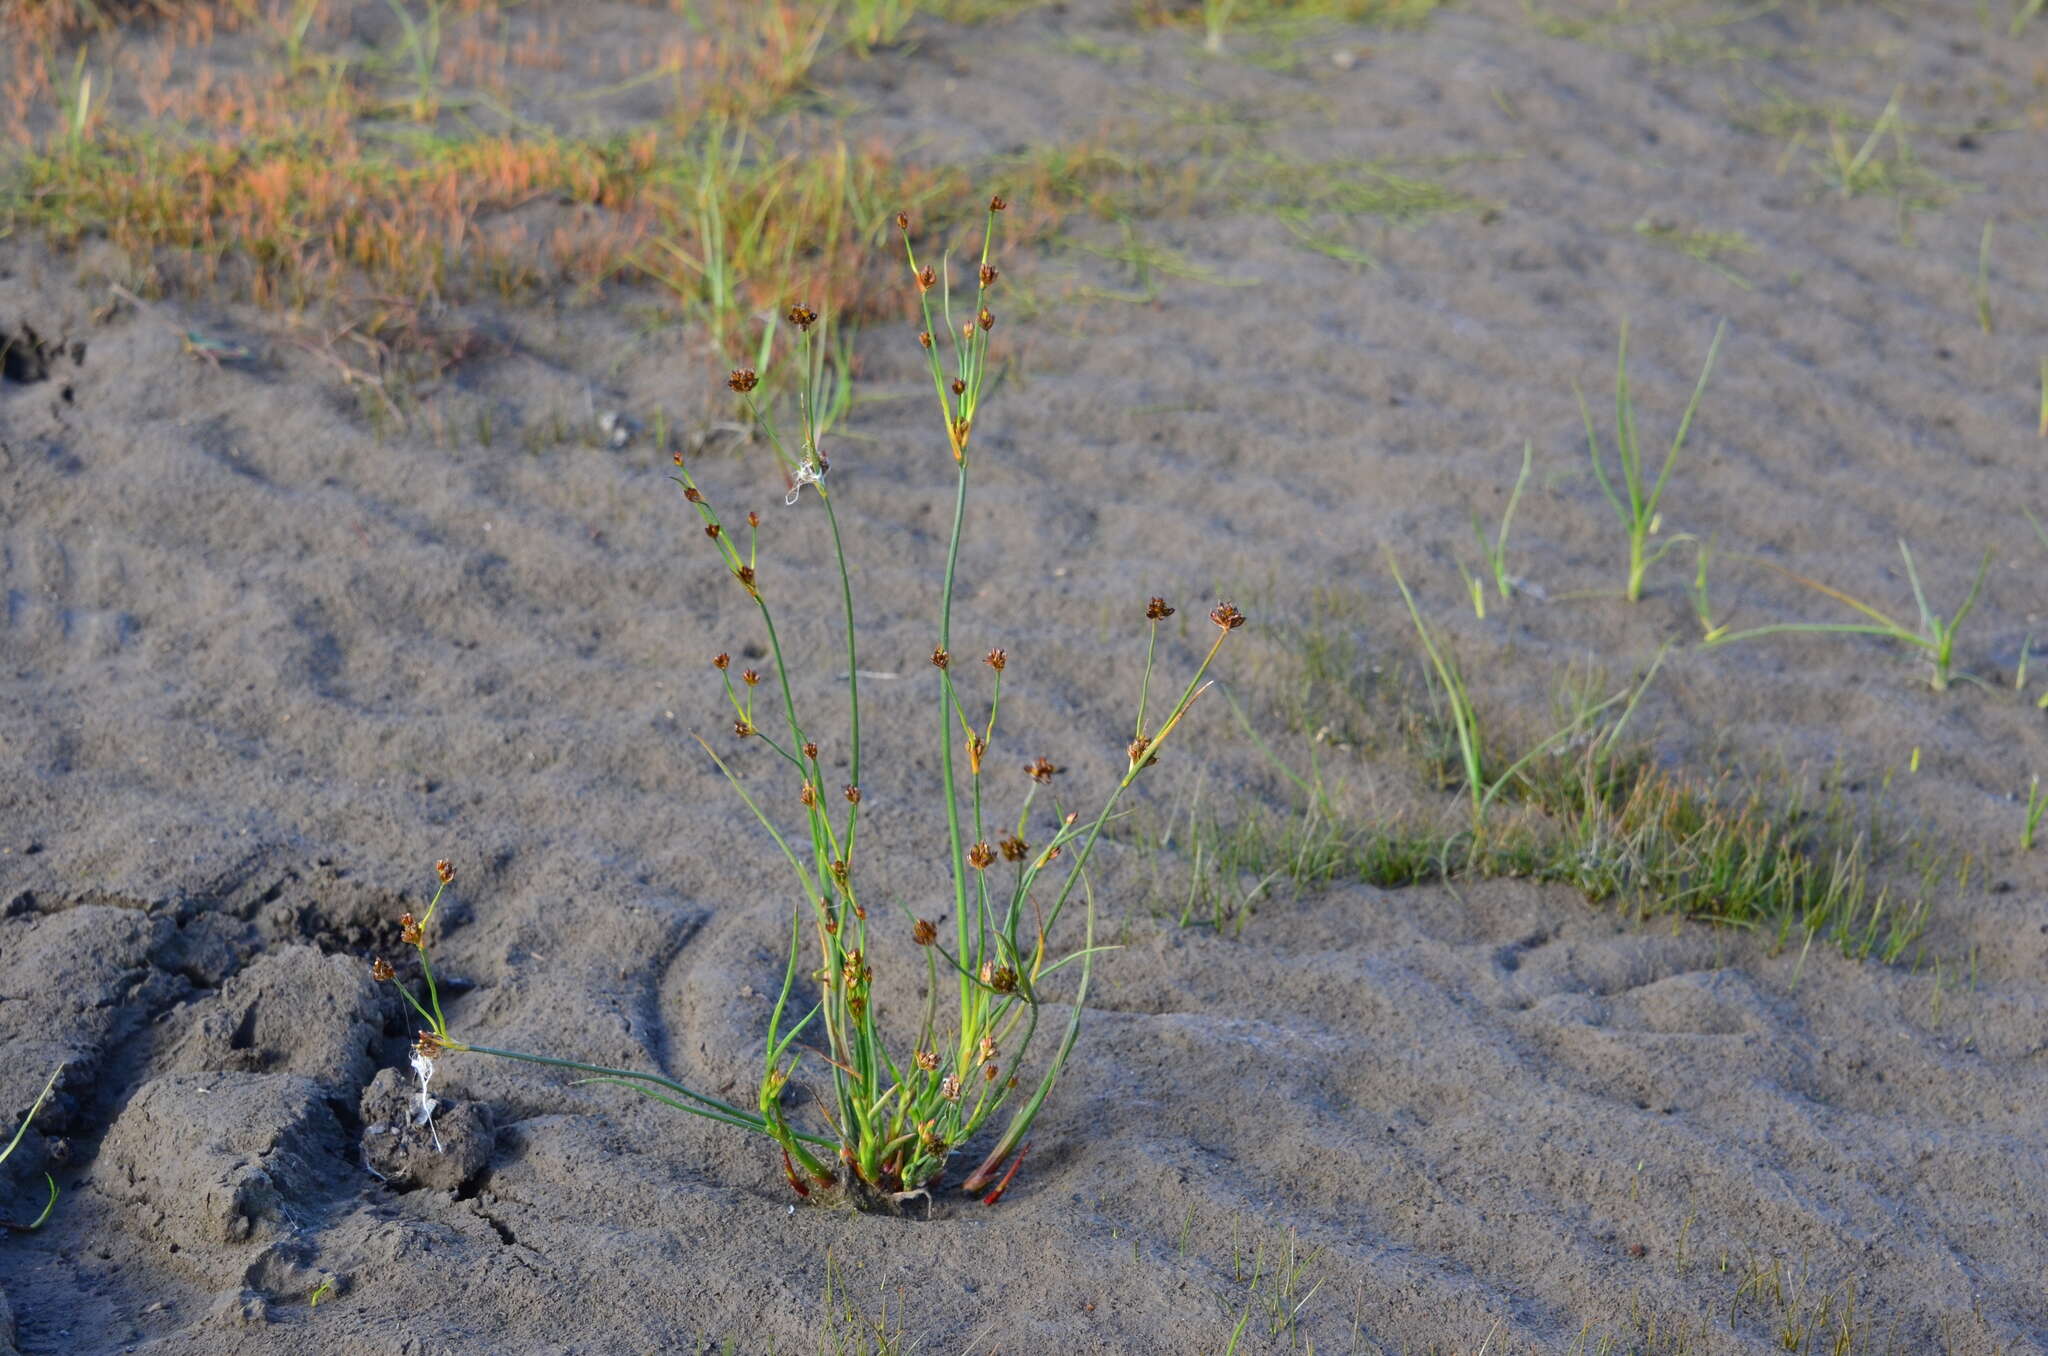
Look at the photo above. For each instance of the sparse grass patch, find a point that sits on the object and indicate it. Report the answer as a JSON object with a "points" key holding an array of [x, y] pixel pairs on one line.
{"points": [[1708, 247], [1935, 635]]}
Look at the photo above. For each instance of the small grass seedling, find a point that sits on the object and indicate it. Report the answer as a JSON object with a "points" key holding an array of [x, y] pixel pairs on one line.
{"points": [[1495, 552], [1935, 635], [49, 1088], [1702, 605], [1636, 501], [2037, 808], [1982, 290], [891, 1119]]}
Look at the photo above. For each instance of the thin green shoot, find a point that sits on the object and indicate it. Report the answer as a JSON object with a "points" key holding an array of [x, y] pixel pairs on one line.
{"points": [[2037, 808], [2024, 13], [1859, 171], [1935, 635], [1982, 290], [1637, 499], [1495, 551], [43, 1097], [1702, 605], [420, 48], [320, 1292]]}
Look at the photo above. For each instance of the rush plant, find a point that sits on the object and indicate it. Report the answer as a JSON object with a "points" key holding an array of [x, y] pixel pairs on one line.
{"points": [[899, 1081]]}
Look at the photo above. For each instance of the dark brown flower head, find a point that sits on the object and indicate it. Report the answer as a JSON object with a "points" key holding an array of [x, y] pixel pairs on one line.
{"points": [[998, 203], [693, 494], [926, 278], [923, 932], [996, 659], [428, 1044], [927, 1060], [749, 677], [678, 458], [989, 275], [857, 1006], [742, 728], [380, 970], [809, 795], [854, 970], [743, 380], [852, 793], [753, 518], [1042, 769], [1137, 750], [745, 574], [1015, 849], [958, 386], [940, 659], [803, 317], [903, 221], [445, 871], [838, 870], [987, 319], [990, 1073], [924, 337], [409, 930], [1157, 610], [720, 660], [1227, 617], [810, 750], [713, 531], [980, 856]]}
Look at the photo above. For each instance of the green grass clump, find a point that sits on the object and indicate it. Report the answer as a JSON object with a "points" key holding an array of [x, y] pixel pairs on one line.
{"points": [[1636, 502], [892, 1117]]}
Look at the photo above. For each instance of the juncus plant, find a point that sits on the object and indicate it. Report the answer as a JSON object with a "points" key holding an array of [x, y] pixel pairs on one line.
{"points": [[882, 1118]]}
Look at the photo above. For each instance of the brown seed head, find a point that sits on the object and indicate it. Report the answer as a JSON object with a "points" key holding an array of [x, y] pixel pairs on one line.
{"points": [[678, 457], [980, 856], [924, 934], [987, 319], [803, 317], [996, 659], [1226, 616], [409, 930], [998, 203], [445, 870], [753, 518], [742, 380], [854, 969], [927, 1060], [380, 970], [990, 1073], [926, 277], [950, 1088], [713, 530], [989, 275], [810, 750], [1042, 769], [958, 386], [427, 1045], [1157, 610], [809, 795], [856, 1005], [742, 728], [692, 493], [1002, 981], [925, 337], [720, 660], [745, 574], [986, 1049], [851, 792], [1138, 746], [749, 677], [1015, 849], [939, 657], [903, 221]]}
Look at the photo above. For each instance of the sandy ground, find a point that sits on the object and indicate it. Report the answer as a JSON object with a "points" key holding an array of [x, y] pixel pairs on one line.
{"points": [[259, 668]]}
